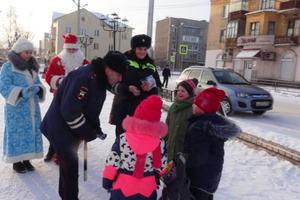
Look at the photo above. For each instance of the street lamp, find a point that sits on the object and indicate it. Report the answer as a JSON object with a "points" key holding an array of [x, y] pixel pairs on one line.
{"points": [[85, 41], [113, 24]]}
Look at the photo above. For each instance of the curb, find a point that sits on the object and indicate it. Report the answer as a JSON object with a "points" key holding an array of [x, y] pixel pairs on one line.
{"points": [[271, 147]]}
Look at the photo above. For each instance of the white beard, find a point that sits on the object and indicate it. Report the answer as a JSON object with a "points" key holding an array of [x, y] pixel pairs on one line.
{"points": [[71, 61]]}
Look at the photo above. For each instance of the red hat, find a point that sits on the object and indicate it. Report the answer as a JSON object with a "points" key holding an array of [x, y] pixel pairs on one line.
{"points": [[209, 100], [189, 85], [146, 118], [70, 41]]}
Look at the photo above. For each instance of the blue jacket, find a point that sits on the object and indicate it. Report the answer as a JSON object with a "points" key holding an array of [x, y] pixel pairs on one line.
{"points": [[74, 112], [204, 145]]}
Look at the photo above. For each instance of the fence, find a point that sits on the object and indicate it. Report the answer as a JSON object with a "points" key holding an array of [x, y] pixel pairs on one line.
{"points": [[277, 83]]}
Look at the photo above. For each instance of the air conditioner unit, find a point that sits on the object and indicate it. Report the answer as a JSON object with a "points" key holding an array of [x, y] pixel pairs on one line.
{"points": [[268, 56]]}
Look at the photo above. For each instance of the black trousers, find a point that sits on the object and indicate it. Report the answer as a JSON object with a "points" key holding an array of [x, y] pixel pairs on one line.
{"points": [[165, 81], [68, 173], [201, 195]]}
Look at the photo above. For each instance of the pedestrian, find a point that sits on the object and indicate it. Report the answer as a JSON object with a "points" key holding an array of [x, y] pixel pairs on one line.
{"points": [[22, 90], [132, 170], [204, 143], [69, 59], [166, 74], [140, 81], [177, 119], [74, 114]]}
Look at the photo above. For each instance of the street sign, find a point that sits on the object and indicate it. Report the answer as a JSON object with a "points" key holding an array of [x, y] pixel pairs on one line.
{"points": [[172, 58], [183, 49]]}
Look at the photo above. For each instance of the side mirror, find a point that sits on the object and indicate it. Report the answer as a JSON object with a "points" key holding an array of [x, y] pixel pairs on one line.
{"points": [[210, 82]]}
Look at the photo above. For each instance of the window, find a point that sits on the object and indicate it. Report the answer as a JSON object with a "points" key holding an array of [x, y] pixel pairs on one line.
{"points": [[236, 5], [271, 28], [194, 74], [225, 11], [222, 35], [83, 31], [267, 4], [232, 29], [97, 33], [254, 28], [96, 45], [68, 29], [293, 28], [206, 76]]}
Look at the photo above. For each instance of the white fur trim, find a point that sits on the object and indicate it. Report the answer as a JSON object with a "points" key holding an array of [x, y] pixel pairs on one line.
{"points": [[71, 46], [144, 127], [14, 96], [28, 156], [53, 82]]}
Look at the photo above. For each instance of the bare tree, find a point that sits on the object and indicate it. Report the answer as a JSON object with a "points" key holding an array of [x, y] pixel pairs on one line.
{"points": [[13, 30]]}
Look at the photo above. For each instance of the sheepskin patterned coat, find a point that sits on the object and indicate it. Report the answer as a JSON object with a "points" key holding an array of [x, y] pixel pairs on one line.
{"points": [[22, 136]]}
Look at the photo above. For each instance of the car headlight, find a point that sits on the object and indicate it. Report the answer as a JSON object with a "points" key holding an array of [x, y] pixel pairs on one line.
{"points": [[242, 94]]}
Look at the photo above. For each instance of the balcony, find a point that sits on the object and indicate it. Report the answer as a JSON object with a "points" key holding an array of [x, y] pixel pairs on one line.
{"points": [[238, 15], [231, 43], [286, 40], [290, 7]]}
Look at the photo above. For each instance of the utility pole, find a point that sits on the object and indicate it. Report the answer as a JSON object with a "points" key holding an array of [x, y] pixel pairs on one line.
{"points": [[79, 6], [150, 23], [150, 18]]}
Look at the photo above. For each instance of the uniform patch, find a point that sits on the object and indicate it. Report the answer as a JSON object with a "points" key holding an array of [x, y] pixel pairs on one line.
{"points": [[82, 93]]}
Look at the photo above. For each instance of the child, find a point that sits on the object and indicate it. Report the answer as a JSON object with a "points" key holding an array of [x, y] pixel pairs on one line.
{"points": [[132, 167], [178, 115], [204, 143]]}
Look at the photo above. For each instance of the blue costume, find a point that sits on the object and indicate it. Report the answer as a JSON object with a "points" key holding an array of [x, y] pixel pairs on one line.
{"points": [[22, 136]]}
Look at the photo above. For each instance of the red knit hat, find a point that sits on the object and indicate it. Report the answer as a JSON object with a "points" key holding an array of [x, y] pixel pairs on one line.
{"points": [[209, 100], [189, 85], [146, 118], [70, 41]]}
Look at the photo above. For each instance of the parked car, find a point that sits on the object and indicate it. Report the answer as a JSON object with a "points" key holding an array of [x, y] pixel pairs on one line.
{"points": [[241, 95]]}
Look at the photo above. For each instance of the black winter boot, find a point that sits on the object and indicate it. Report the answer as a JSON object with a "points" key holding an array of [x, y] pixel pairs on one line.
{"points": [[19, 167], [50, 154], [28, 165]]}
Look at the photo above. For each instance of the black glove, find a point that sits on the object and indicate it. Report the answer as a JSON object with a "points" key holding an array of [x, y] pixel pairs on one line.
{"points": [[100, 134]]}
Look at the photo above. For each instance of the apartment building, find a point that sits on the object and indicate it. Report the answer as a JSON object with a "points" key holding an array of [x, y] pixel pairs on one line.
{"points": [[95, 26], [180, 43], [257, 38]]}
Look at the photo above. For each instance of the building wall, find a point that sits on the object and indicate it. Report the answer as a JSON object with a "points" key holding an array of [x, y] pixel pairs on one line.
{"points": [[287, 50], [171, 33], [90, 23]]}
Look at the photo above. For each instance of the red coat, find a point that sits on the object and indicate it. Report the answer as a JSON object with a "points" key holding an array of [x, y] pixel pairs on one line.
{"points": [[56, 71]]}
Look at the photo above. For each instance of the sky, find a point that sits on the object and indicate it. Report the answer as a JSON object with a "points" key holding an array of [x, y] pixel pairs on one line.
{"points": [[36, 15]]}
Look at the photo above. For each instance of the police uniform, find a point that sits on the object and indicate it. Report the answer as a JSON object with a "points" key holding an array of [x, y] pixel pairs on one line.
{"points": [[125, 102], [74, 116]]}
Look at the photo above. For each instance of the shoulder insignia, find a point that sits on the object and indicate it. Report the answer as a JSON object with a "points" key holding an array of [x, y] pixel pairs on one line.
{"points": [[82, 93]]}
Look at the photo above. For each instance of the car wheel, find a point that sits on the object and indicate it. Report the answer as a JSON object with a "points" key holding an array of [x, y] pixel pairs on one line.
{"points": [[259, 112], [227, 107]]}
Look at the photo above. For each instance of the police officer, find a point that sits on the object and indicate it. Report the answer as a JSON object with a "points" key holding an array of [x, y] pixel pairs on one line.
{"points": [[140, 81], [74, 114]]}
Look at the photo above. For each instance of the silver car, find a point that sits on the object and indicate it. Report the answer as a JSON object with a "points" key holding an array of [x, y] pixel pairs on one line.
{"points": [[241, 95]]}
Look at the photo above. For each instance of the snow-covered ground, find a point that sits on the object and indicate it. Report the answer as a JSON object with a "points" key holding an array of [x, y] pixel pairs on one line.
{"points": [[248, 174]]}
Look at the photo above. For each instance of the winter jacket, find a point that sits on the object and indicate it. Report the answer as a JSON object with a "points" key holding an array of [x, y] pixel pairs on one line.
{"points": [[124, 102], [74, 112], [119, 173], [204, 145], [166, 73], [177, 121], [22, 117]]}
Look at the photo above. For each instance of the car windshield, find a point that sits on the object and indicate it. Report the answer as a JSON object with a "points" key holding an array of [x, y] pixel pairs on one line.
{"points": [[230, 77]]}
